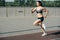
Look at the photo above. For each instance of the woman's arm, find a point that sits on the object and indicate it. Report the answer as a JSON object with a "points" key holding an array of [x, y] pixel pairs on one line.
{"points": [[45, 10], [33, 10]]}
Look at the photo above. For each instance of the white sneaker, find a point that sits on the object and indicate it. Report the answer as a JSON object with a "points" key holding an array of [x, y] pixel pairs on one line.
{"points": [[44, 34]]}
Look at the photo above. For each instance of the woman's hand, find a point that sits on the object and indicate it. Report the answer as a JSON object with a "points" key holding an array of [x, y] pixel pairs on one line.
{"points": [[33, 10]]}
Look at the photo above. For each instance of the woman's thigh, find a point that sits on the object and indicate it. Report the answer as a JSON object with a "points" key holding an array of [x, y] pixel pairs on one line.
{"points": [[36, 23]]}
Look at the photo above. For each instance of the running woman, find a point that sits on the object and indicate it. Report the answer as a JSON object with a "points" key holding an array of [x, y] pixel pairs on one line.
{"points": [[39, 10]]}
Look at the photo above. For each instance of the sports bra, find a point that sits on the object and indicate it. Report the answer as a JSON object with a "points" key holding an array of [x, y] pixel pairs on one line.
{"points": [[39, 11]]}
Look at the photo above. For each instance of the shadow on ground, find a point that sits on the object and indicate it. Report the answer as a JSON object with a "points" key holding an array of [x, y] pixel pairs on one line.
{"points": [[55, 33]]}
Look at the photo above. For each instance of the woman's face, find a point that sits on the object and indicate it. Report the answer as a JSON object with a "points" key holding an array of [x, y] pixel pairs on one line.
{"points": [[37, 3]]}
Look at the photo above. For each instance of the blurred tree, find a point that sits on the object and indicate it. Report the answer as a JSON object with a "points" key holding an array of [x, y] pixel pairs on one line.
{"points": [[2, 2], [30, 3], [16, 3], [19, 2]]}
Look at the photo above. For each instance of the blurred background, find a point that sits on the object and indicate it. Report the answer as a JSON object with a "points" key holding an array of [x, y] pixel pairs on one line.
{"points": [[11, 7], [28, 3]]}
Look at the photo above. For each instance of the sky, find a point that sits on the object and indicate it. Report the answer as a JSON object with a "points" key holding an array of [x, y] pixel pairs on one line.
{"points": [[9, 0], [26, 0]]}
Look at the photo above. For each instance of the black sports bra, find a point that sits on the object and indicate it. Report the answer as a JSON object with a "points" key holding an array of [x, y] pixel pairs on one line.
{"points": [[39, 11]]}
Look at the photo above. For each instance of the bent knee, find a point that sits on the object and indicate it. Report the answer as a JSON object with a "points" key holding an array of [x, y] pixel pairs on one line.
{"points": [[35, 24]]}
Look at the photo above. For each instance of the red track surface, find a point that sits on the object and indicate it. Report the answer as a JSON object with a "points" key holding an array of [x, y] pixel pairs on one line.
{"points": [[35, 36]]}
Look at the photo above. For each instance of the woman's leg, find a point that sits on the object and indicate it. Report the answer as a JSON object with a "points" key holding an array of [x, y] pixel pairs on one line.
{"points": [[43, 30], [39, 23], [36, 23], [43, 25]]}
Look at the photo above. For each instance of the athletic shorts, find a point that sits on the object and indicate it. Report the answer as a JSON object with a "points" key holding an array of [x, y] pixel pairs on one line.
{"points": [[41, 18]]}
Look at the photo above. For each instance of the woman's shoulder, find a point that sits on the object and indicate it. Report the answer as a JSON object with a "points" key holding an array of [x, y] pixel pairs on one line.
{"points": [[43, 7]]}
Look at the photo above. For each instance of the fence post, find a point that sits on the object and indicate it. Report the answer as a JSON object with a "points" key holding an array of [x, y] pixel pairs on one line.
{"points": [[6, 11], [24, 11]]}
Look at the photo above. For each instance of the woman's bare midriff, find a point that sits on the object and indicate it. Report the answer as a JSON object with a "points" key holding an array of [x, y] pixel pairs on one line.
{"points": [[39, 15]]}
